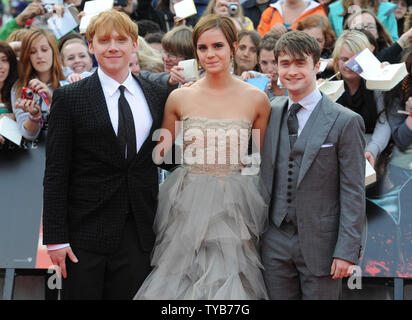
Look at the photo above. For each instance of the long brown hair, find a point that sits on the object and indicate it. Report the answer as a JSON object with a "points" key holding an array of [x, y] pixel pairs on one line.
{"points": [[211, 21], [404, 89], [26, 70], [384, 39], [322, 22], [12, 76], [255, 37]]}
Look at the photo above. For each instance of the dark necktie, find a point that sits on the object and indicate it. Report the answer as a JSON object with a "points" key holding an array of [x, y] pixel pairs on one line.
{"points": [[293, 123], [126, 132]]}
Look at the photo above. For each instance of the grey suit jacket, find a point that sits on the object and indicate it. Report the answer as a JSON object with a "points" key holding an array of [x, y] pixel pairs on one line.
{"points": [[330, 194]]}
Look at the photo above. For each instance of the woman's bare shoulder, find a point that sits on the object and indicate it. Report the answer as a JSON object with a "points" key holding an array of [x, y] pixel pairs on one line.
{"points": [[184, 92]]}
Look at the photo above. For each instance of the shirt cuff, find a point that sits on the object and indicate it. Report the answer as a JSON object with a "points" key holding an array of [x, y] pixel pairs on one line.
{"points": [[52, 247]]}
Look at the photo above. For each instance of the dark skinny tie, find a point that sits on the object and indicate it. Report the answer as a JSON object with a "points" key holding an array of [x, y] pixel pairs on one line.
{"points": [[126, 132], [293, 124]]}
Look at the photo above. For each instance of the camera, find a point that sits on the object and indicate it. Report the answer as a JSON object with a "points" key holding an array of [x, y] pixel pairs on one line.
{"points": [[122, 3], [233, 8], [27, 93]]}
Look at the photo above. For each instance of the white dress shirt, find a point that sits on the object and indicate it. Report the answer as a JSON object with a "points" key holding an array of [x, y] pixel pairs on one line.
{"points": [[141, 113], [308, 104]]}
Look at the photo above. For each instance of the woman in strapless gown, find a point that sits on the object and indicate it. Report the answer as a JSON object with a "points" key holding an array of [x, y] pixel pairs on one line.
{"points": [[211, 209]]}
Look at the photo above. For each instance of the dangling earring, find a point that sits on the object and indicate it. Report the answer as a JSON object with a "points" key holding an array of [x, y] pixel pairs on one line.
{"points": [[232, 64]]}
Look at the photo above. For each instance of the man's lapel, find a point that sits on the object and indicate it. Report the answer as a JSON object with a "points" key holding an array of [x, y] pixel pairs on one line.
{"points": [[320, 130], [277, 116], [271, 141]]}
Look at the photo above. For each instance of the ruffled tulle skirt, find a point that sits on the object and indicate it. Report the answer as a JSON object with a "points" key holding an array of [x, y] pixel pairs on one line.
{"points": [[207, 231]]}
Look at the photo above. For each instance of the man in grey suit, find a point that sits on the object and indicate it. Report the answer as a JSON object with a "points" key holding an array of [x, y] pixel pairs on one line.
{"points": [[313, 166]]}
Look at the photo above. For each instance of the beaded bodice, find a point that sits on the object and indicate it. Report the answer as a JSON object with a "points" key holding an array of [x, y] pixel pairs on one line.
{"points": [[215, 146]]}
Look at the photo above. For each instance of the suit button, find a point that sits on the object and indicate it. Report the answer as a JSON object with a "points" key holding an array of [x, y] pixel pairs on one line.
{"points": [[289, 201], [289, 186], [290, 159], [290, 165], [289, 179], [289, 194], [290, 173]]}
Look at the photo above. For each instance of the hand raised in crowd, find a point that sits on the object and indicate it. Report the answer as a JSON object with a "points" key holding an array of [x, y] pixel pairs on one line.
{"points": [[16, 46], [369, 156], [2, 140], [40, 87], [178, 21], [221, 7], [74, 77], [176, 76], [341, 269], [58, 257], [247, 75], [32, 10], [29, 106], [408, 105], [81, 15], [279, 29], [59, 10], [405, 38]]}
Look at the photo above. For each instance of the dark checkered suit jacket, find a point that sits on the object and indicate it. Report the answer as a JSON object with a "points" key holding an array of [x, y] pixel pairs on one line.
{"points": [[87, 181]]}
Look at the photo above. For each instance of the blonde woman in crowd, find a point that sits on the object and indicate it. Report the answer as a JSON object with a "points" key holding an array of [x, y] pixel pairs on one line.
{"points": [[14, 40], [75, 55], [149, 59], [367, 103]]}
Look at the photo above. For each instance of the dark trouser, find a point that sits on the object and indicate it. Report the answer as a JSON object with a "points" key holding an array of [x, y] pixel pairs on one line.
{"points": [[114, 276], [285, 272]]}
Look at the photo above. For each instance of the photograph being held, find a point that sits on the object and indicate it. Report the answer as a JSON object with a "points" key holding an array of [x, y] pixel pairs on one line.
{"points": [[367, 103]]}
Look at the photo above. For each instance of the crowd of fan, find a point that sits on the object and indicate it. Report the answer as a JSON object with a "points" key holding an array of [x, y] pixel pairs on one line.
{"points": [[31, 57]]}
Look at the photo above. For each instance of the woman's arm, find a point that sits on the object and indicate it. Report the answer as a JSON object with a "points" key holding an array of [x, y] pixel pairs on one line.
{"points": [[262, 112], [28, 128], [382, 132], [401, 125], [167, 134]]}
